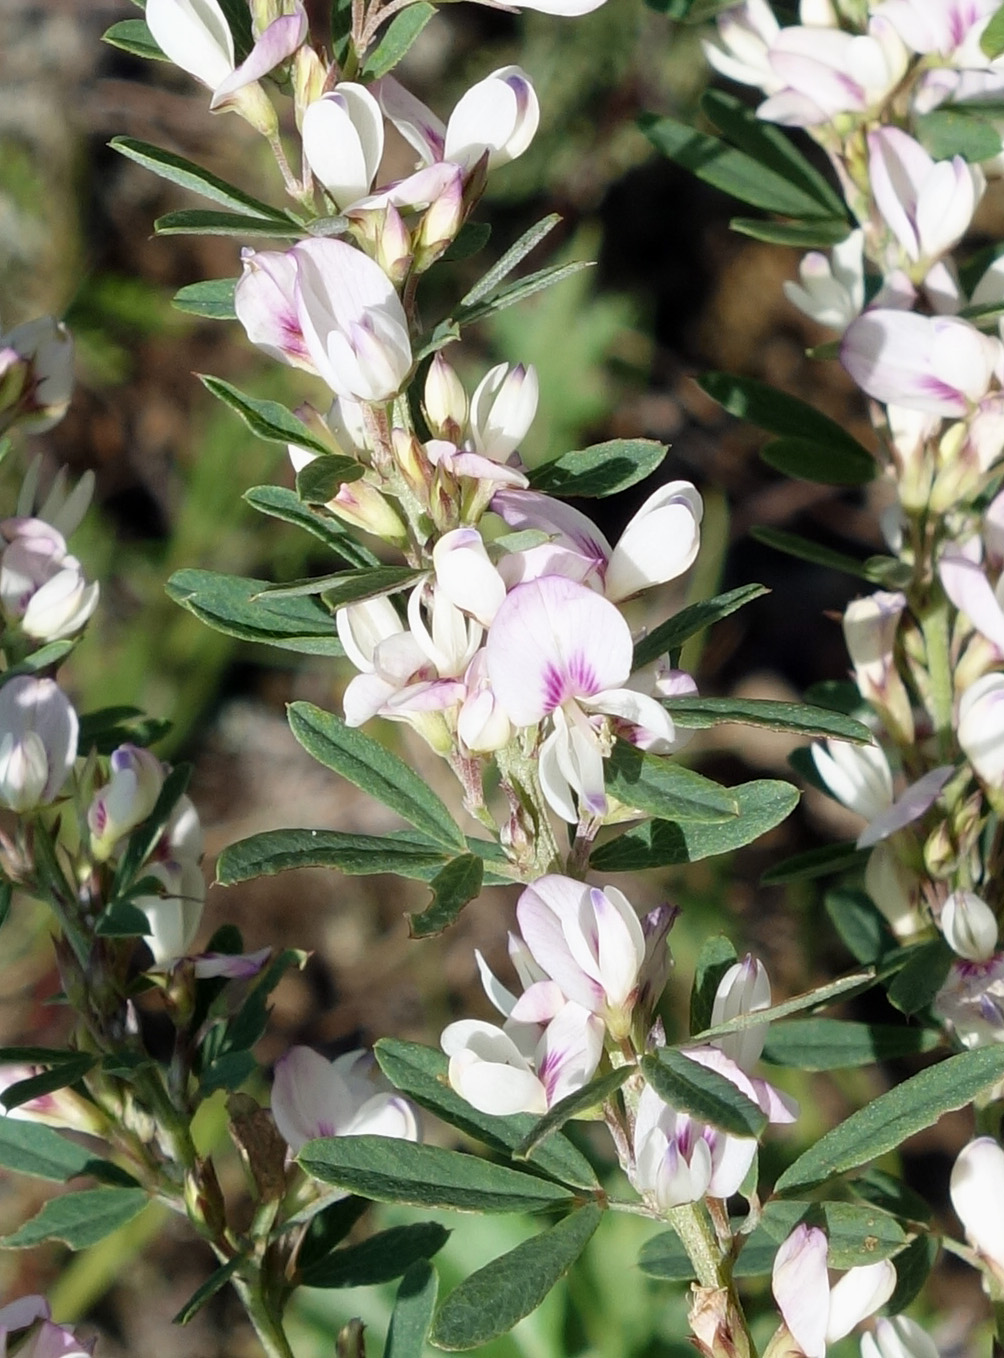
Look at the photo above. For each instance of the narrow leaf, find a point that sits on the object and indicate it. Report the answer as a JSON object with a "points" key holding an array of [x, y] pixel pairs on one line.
{"points": [[495, 1298], [79, 1219], [213, 1284], [810, 999], [671, 634], [860, 924], [818, 722], [837, 1044], [411, 1317], [234, 605], [815, 234], [275, 851], [992, 37], [347, 587], [519, 291], [381, 1258], [420, 1073], [771, 146], [779, 413], [191, 176], [653, 784], [321, 480], [732, 171], [268, 419], [32, 1148], [822, 862], [702, 1093], [366, 764], [281, 503], [452, 887], [763, 804], [891, 1195], [806, 460], [213, 299], [806, 550], [512, 257], [913, 1265], [602, 469], [205, 222], [401, 32], [592, 1095], [887, 1121], [473, 237], [388, 1170], [916, 985], [134, 36]]}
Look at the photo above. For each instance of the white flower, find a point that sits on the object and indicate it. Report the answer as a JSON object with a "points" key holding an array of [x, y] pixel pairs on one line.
{"points": [[977, 1191], [313, 1097], [831, 289], [969, 926], [343, 141], [38, 742]]}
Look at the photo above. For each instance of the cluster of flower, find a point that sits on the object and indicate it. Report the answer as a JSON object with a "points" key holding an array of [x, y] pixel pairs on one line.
{"points": [[928, 351]]}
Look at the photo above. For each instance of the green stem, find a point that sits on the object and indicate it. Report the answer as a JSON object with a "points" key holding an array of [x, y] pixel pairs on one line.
{"points": [[934, 622], [714, 1275], [261, 1313]]}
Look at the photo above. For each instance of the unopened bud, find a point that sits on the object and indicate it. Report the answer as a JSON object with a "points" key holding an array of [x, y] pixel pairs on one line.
{"points": [[136, 778], [445, 401], [309, 77], [959, 476], [895, 890], [361, 504], [393, 246], [941, 854], [439, 226], [412, 461], [969, 926]]}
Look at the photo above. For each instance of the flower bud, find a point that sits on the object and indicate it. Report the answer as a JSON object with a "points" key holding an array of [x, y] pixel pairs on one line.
{"points": [[969, 926], [440, 223], [126, 800], [411, 458], [174, 917], [361, 504], [393, 246], [870, 627], [898, 1337], [38, 742], [445, 400], [36, 375], [502, 409], [309, 75], [743, 989], [895, 890]]}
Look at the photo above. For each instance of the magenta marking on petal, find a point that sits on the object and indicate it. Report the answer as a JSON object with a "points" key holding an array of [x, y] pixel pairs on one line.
{"points": [[556, 688]]}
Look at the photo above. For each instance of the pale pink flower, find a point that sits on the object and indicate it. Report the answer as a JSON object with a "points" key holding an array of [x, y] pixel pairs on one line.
{"points": [[971, 1001], [831, 288], [38, 742], [977, 1191], [343, 141], [36, 376], [815, 1313], [314, 1097]]}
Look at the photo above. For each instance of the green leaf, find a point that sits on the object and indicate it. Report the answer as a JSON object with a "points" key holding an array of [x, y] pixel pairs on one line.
{"points": [[347, 587], [198, 221], [653, 784], [916, 985], [512, 257], [284, 504], [326, 1228], [109, 727], [665, 1257], [819, 722], [811, 999], [401, 32], [891, 1195], [6, 901], [838, 1044], [992, 37], [367, 765], [79, 1219], [713, 961], [472, 238], [191, 176], [381, 1258], [236, 606], [948, 132], [52, 654], [602, 469], [763, 804], [495, 1298], [781, 414], [806, 550], [861, 926], [213, 1284], [913, 1265], [671, 634], [592, 1095], [356, 855], [734, 172], [134, 36], [32, 1148], [519, 291], [452, 887], [420, 1073], [123, 920], [856, 1235], [411, 1317], [805, 235], [703, 1093], [388, 1170], [822, 862], [268, 419], [771, 147], [213, 299], [887, 1121], [321, 480], [806, 460]]}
